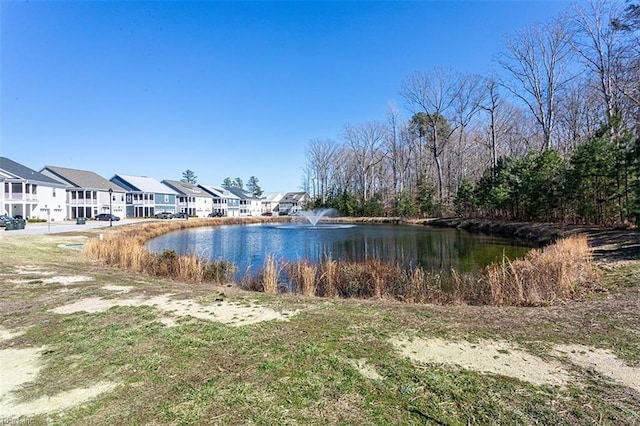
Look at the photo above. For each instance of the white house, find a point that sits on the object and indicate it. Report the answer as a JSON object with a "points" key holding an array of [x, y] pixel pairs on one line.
{"points": [[293, 202], [224, 202], [145, 196], [87, 193], [250, 205], [270, 202], [191, 199], [30, 194]]}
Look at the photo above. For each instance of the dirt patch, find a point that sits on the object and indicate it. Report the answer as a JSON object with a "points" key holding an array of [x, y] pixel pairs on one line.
{"points": [[506, 359], [225, 312], [66, 280], [366, 369], [485, 356], [602, 361], [8, 334], [20, 366], [118, 288]]}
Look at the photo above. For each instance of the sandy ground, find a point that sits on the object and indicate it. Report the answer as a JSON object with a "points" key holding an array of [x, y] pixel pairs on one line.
{"points": [[22, 365], [506, 359]]}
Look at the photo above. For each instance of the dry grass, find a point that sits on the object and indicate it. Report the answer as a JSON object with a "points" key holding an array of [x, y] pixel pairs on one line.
{"points": [[302, 276], [560, 271], [270, 275], [125, 248]]}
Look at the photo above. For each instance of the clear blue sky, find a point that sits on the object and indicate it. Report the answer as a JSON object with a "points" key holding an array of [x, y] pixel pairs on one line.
{"points": [[223, 88]]}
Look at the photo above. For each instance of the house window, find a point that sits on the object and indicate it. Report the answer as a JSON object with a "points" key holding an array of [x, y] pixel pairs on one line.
{"points": [[54, 192], [166, 198]]}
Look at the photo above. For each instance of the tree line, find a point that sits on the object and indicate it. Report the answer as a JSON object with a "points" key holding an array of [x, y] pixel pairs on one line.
{"points": [[551, 136]]}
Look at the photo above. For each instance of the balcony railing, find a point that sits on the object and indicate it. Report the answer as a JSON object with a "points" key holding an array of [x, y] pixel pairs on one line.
{"points": [[21, 197]]}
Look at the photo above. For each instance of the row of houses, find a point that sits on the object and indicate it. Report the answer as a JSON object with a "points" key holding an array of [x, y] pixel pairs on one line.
{"points": [[59, 193]]}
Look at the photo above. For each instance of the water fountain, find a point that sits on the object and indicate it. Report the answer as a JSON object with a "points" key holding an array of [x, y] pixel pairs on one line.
{"points": [[313, 216]]}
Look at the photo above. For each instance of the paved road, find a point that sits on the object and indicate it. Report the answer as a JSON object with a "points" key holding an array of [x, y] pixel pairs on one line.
{"points": [[66, 226]]}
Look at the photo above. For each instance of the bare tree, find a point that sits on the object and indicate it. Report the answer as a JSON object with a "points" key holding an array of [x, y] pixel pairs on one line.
{"points": [[365, 141], [600, 47], [537, 61], [433, 95], [321, 157], [490, 105], [579, 114]]}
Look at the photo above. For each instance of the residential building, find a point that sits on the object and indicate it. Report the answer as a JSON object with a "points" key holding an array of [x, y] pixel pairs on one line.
{"points": [[145, 196], [87, 193], [270, 202], [250, 205], [224, 202], [191, 199], [293, 202], [30, 194]]}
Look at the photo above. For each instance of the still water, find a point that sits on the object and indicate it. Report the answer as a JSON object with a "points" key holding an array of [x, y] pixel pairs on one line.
{"points": [[434, 249]]}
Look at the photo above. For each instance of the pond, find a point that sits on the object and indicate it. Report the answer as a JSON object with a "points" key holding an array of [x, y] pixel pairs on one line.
{"points": [[434, 249]]}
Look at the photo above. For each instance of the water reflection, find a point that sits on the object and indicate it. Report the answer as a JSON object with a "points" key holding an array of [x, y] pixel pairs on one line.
{"points": [[434, 249]]}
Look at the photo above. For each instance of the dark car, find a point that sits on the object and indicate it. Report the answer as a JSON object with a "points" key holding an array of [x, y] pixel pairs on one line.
{"points": [[180, 215], [215, 214], [4, 219], [163, 215], [107, 216]]}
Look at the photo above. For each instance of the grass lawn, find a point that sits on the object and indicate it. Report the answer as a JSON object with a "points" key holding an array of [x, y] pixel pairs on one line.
{"points": [[82, 343]]}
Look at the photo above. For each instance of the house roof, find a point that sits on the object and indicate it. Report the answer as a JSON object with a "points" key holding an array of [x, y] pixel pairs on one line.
{"points": [[240, 193], [14, 170], [185, 188], [219, 192], [271, 197], [145, 184], [80, 178], [295, 196]]}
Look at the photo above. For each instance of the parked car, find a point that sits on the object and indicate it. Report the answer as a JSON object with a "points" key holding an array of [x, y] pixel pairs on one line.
{"points": [[180, 215], [267, 214], [215, 214], [107, 216], [4, 219], [163, 215]]}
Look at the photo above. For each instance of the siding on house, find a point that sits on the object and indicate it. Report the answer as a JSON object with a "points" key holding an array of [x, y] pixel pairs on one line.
{"points": [[29, 193], [249, 205], [293, 202], [145, 196], [224, 202], [191, 199], [270, 202], [87, 193]]}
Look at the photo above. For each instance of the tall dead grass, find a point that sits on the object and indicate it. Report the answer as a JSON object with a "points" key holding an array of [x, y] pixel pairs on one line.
{"points": [[270, 275], [557, 272], [125, 248]]}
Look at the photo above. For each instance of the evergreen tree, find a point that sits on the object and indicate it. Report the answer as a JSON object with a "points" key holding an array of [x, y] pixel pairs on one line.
{"points": [[189, 176], [253, 187]]}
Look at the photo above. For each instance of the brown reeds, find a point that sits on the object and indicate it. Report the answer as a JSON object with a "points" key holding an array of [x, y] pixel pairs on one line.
{"points": [[125, 248], [270, 275], [302, 276], [557, 272]]}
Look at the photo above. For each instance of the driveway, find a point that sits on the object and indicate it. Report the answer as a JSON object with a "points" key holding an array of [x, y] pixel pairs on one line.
{"points": [[65, 226]]}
